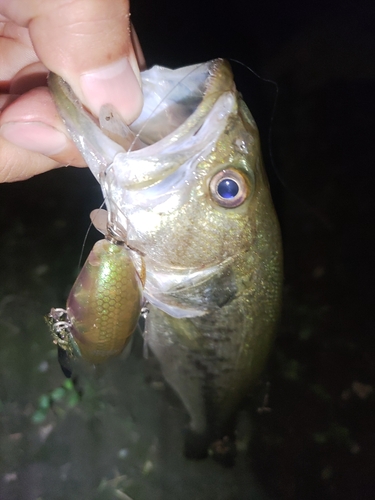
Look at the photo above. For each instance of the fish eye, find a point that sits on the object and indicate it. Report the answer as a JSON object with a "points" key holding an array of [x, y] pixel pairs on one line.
{"points": [[229, 188]]}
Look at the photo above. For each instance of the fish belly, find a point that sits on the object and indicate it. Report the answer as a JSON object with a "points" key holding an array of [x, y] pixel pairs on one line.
{"points": [[211, 362]]}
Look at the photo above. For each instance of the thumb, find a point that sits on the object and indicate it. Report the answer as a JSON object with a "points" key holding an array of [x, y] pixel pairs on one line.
{"points": [[88, 43]]}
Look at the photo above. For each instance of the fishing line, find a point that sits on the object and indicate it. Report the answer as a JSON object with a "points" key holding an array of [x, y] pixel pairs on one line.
{"points": [[137, 136], [106, 192], [85, 240], [272, 118], [280, 178]]}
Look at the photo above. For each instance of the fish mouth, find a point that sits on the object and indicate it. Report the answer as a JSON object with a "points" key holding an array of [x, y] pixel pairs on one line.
{"points": [[182, 108]]}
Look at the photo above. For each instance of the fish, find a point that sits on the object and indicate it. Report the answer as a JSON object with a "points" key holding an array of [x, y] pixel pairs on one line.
{"points": [[187, 183]]}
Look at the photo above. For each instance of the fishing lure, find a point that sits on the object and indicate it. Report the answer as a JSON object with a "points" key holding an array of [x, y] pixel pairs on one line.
{"points": [[103, 306]]}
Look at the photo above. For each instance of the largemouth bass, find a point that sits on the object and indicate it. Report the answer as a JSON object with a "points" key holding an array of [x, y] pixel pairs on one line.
{"points": [[187, 185]]}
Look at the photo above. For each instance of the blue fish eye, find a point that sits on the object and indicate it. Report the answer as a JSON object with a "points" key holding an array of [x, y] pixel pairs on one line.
{"points": [[228, 188]]}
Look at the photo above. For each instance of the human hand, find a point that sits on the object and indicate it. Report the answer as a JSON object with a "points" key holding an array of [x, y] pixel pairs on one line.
{"points": [[89, 44]]}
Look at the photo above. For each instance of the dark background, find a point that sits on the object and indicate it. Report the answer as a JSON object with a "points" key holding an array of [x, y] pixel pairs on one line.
{"points": [[318, 438]]}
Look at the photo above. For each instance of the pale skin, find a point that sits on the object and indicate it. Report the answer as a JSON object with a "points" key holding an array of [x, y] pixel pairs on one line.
{"points": [[91, 44]]}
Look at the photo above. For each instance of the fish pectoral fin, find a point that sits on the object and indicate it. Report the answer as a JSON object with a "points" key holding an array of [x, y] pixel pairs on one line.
{"points": [[174, 310]]}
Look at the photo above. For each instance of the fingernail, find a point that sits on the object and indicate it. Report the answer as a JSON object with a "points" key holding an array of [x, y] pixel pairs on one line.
{"points": [[115, 84], [34, 136]]}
